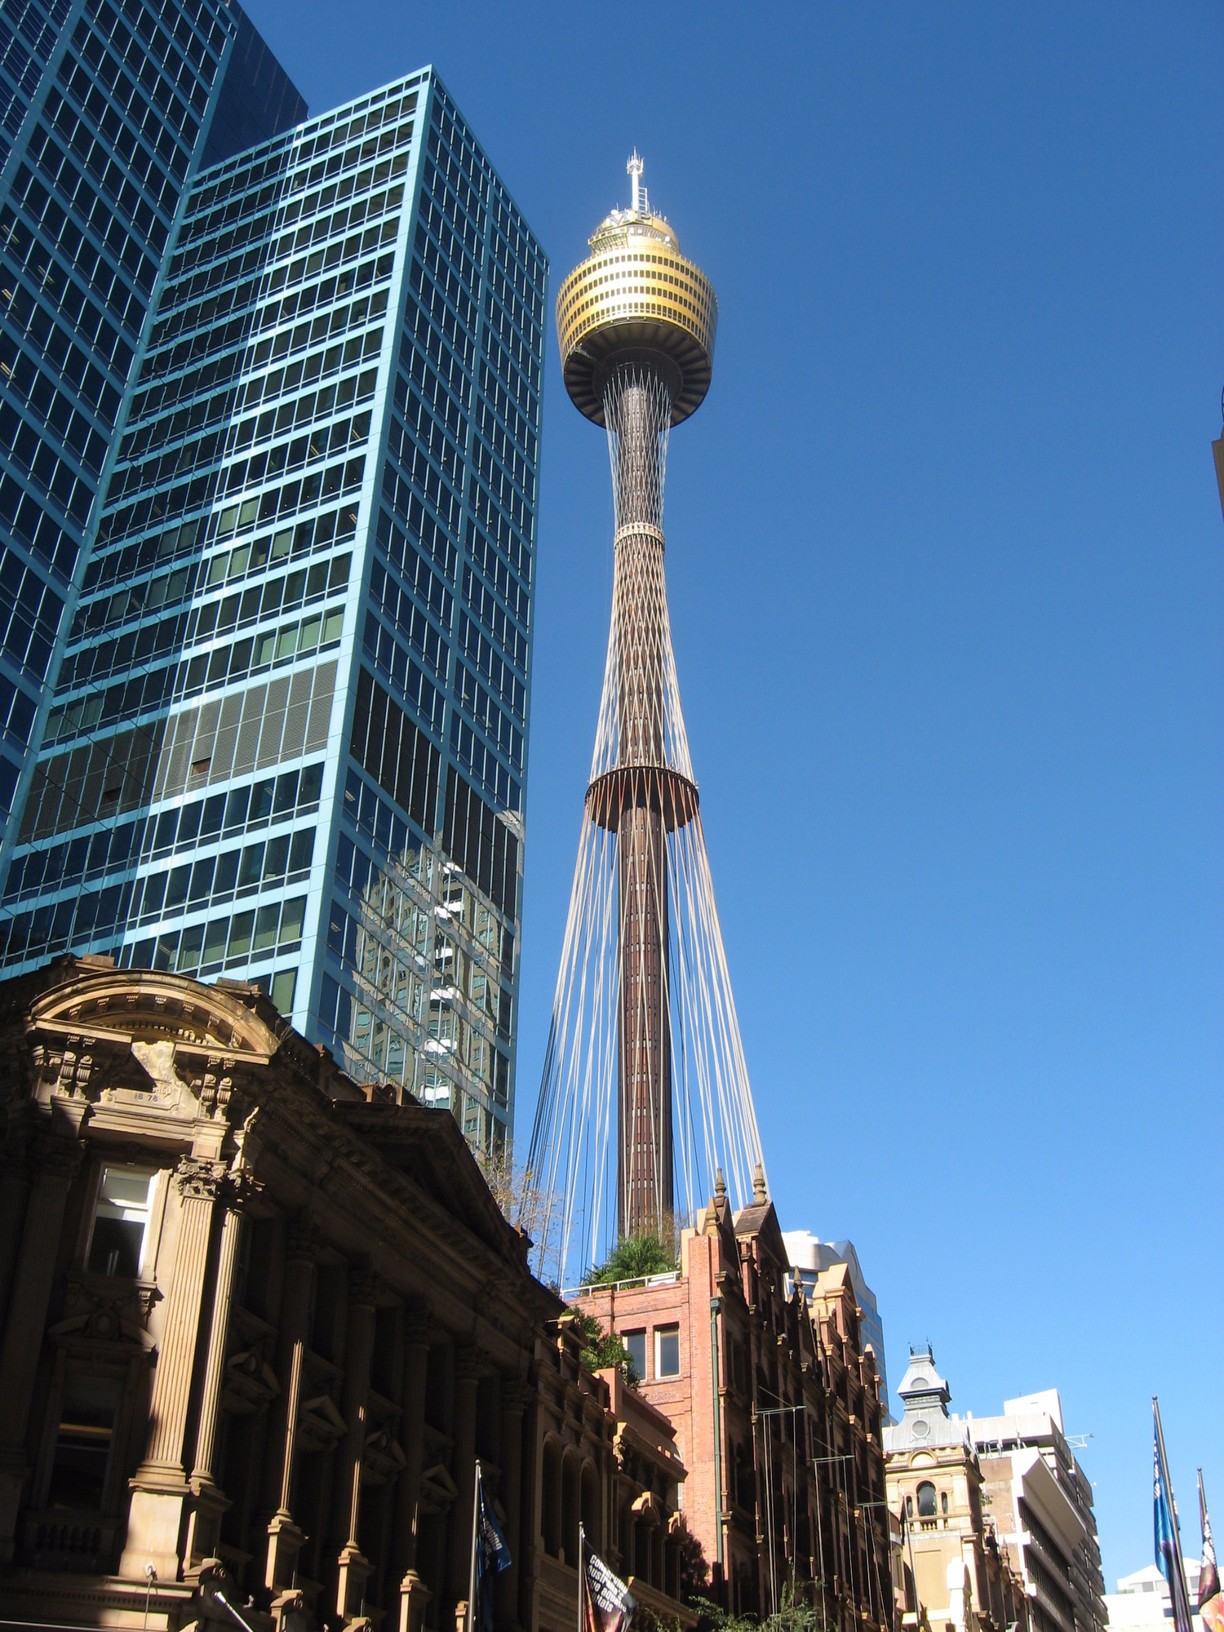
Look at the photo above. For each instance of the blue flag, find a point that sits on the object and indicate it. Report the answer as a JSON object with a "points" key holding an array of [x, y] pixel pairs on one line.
{"points": [[492, 1555], [1168, 1554]]}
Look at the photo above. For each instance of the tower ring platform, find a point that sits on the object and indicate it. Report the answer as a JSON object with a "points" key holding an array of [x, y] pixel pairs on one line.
{"points": [[659, 788]]}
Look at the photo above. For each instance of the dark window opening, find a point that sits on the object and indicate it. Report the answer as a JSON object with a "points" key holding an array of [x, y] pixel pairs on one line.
{"points": [[121, 1220], [83, 1444]]}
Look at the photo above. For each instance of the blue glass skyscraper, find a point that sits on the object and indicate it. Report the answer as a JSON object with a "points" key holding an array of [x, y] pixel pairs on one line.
{"points": [[287, 739], [107, 107]]}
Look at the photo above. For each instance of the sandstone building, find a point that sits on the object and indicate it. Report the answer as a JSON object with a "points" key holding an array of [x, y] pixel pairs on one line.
{"points": [[261, 1323], [999, 1512], [955, 1572]]}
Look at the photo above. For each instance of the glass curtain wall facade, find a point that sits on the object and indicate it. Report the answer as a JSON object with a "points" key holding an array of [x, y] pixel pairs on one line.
{"points": [[288, 736], [106, 109]]}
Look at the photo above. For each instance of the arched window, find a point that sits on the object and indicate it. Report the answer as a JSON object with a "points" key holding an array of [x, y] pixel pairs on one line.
{"points": [[642, 1536], [909, 1507], [571, 1511], [590, 1500], [943, 1502], [550, 1505], [926, 1500]]}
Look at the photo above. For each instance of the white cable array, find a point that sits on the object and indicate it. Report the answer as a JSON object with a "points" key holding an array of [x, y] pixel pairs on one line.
{"points": [[637, 394], [573, 1156]]}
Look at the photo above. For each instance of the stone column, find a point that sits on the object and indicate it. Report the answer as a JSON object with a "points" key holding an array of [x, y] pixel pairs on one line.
{"points": [[354, 1568], [513, 1404], [412, 1432], [284, 1536], [58, 1160], [209, 1500], [18, 1169], [414, 1594], [467, 1377], [159, 1488]]}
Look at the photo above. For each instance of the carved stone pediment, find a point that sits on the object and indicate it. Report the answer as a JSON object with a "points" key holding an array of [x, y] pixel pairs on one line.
{"points": [[141, 1036], [249, 1384], [382, 1459], [438, 1489], [124, 1042], [103, 1309], [320, 1423], [152, 1003]]}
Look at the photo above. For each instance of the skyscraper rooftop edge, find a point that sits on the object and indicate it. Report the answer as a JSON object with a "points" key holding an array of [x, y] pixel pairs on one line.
{"points": [[320, 122]]}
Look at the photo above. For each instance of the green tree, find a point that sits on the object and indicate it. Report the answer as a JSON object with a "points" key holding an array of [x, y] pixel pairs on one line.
{"points": [[601, 1349], [634, 1257], [790, 1616]]}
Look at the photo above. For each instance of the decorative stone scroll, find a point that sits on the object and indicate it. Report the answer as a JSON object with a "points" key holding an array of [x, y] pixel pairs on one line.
{"points": [[199, 1180]]}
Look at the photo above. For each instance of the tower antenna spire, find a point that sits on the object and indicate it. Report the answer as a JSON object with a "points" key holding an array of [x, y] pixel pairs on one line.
{"points": [[635, 167]]}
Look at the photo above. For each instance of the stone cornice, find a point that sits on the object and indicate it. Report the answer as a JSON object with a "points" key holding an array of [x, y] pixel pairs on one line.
{"points": [[125, 1003], [341, 1171]]}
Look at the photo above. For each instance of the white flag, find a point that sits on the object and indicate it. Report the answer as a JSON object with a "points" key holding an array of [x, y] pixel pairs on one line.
{"points": [[609, 1603]]}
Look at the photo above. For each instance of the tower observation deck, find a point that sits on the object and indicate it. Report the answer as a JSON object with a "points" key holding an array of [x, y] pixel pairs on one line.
{"points": [[645, 1097]]}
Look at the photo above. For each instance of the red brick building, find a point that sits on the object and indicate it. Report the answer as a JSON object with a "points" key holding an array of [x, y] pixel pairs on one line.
{"points": [[776, 1413], [605, 1460]]}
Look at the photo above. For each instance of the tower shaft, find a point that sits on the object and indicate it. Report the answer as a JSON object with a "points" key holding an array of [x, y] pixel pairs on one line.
{"points": [[637, 406]]}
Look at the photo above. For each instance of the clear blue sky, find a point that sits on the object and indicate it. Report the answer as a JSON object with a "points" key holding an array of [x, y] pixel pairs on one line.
{"points": [[946, 565]]}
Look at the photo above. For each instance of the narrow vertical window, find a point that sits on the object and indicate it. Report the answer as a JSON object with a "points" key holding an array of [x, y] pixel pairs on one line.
{"points": [[121, 1221], [635, 1346], [667, 1351]]}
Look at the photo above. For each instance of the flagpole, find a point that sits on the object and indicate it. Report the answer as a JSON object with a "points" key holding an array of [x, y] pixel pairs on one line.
{"points": [[471, 1613], [1204, 1530], [1178, 1561], [581, 1571], [1209, 1571], [908, 1527]]}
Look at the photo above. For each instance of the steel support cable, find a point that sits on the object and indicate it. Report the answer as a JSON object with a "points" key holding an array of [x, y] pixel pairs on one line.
{"points": [[713, 1019], [550, 1149], [711, 1010], [715, 1152], [589, 991], [698, 999], [746, 1109], [558, 1030], [601, 1053], [695, 1058]]}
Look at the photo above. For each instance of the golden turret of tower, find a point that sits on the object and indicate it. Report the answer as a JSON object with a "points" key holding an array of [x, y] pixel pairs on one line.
{"points": [[636, 299]]}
